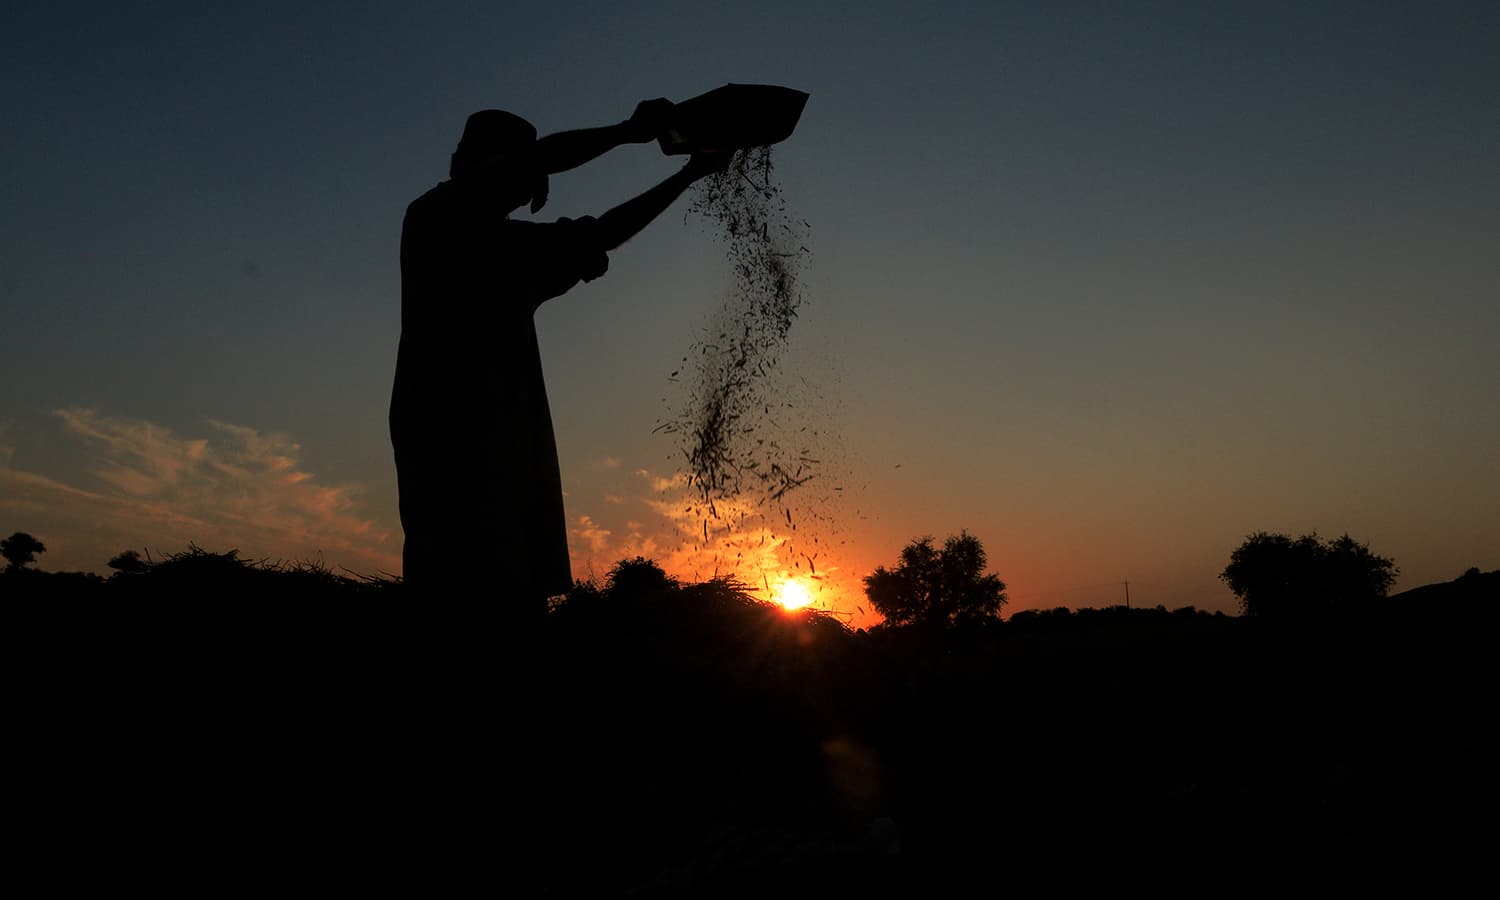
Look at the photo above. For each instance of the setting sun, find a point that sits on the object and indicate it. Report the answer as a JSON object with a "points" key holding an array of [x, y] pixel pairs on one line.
{"points": [[793, 595]]}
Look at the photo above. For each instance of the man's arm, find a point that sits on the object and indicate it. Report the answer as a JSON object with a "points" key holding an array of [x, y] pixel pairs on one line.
{"points": [[570, 149], [628, 219]]}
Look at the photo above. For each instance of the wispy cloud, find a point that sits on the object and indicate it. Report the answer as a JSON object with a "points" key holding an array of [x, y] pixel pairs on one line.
{"points": [[595, 548], [236, 487], [590, 535]]}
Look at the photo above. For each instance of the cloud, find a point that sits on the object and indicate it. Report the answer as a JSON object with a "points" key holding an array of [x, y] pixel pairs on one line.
{"points": [[608, 462], [594, 537], [593, 546], [236, 488], [658, 484]]}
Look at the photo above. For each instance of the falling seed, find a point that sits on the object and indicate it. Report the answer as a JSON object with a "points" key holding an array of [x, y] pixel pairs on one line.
{"points": [[722, 440]]}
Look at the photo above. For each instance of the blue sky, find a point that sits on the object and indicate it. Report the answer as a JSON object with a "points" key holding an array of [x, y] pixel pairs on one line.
{"points": [[1108, 285]]}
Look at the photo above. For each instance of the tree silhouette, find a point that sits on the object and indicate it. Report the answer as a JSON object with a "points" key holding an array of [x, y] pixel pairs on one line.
{"points": [[946, 586], [1276, 577], [20, 549]]}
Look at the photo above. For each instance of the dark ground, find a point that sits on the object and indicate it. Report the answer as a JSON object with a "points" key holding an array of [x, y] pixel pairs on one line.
{"points": [[223, 730]]}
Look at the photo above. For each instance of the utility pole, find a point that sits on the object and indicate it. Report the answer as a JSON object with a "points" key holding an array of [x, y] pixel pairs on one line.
{"points": [[1127, 595]]}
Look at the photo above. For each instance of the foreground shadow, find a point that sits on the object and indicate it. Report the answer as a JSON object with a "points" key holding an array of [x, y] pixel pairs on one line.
{"points": [[213, 725]]}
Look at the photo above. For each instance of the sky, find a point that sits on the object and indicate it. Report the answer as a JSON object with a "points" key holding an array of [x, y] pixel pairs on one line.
{"points": [[1108, 286]]}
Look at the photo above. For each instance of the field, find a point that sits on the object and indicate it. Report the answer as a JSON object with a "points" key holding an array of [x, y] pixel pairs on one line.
{"points": [[217, 728]]}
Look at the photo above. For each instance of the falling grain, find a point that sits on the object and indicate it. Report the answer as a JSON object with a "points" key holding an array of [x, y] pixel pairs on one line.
{"points": [[722, 426]]}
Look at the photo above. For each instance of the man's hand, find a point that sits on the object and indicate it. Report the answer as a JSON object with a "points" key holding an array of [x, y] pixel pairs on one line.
{"points": [[700, 164], [650, 119]]}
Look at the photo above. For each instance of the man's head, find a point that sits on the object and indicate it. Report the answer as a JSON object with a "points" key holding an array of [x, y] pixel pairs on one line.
{"points": [[498, 149]]}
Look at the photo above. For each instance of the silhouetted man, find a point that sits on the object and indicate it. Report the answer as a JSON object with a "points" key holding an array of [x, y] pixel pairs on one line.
{"points": [[480, 490]]}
